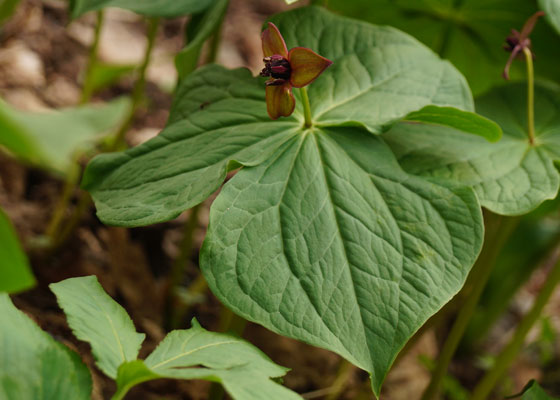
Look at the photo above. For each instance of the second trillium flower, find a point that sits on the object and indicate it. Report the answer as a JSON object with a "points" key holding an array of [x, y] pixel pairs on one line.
{"points": [[286, 69]]}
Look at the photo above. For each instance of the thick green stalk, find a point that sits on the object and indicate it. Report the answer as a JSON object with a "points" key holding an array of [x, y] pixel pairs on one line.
{"points": [[498, 231], [345, 371], [87, 88], [306, 108], [508, 354], [530, 95], [139, 86]]}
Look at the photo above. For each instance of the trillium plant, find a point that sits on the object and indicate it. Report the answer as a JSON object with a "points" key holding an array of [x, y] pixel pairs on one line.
{"points": [[359, 165]]}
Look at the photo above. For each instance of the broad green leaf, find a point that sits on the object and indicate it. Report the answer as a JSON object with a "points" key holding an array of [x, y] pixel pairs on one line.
{"points": [[33, 366], [510, 177], [329, 241], [533, 391], [207, 23], [322, 236], [460, 120], [52, 140], [151, 8], [469, 33], [196, 353], [552, 9], [99, 320], [219, 121], [15, 273]]}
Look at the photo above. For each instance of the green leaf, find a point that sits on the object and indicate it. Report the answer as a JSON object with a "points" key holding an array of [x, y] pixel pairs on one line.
{"points": [[532, 391], [15, 273], [151, 8], [52, 140], [332, 243], [469, 33], [552, 9], [457, 119], [321, 236], [105, 75], [196, 353], [219, 116], [207, 23], [99, 320], [7, 9], [510, 177], [35, 367]]}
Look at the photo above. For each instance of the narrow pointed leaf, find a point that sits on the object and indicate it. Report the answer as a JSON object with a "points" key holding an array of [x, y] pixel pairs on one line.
{"points": [[552, 9], [273, 42], [280, 101], [187, 59], [52, 140], [510, 177], [33, 365], [99, 320], [151, 8], [196, 353], [331, 242], [15, 273], [463, 121], [306, 66]]}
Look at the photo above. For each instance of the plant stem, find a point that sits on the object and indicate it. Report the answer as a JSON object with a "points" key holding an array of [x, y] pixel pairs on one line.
{"points": [[345, 371], [498, 230], [508, 354], [530, 95], [306, 108], [178, 268], [323, 3], [139, 86], [87, 88]]}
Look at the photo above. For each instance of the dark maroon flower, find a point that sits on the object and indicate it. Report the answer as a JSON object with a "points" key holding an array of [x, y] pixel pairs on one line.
{"points": [[517, 42], [286, 69]]}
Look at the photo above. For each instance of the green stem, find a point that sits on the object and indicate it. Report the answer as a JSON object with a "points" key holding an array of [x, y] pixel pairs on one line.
{"points": [[530, 95], [139, 86], [498, 230], [178, 268], [345, 371], [323, 3], [306, 108], [58, 214], [508, 354], [87, 89]]}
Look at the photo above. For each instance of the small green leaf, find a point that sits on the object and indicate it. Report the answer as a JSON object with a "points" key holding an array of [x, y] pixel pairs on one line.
{"points": [[151, 8], [207, 23], [463, 121], [105, 75], [15, 273], [196, 353], [510, 177], [99, 320], [33, 365], [552, 9], [53, 139], [533, 391]]}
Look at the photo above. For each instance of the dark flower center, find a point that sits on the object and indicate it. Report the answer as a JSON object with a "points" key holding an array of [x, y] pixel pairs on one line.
{"points": [[278, 68]]}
